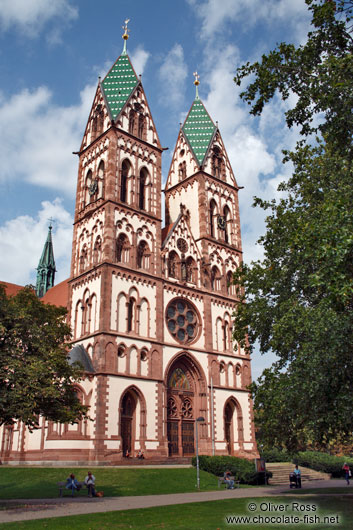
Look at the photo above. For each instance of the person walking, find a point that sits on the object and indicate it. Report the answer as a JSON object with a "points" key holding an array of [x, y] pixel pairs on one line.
{"points": [[347, 472]]}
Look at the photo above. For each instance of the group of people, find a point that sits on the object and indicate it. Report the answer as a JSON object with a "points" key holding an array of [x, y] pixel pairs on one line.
{"points": [[73, 484], [139, 454]]}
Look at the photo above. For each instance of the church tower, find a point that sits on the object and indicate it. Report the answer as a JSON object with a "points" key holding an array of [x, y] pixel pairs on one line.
{"points": [[46, 267]]}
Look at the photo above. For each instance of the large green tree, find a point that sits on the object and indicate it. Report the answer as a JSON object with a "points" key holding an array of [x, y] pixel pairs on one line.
{"points": [[35, 376], [299, 298]]}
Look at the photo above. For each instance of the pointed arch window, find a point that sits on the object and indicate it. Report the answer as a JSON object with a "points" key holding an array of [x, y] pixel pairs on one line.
{"points": [[97, 251], [182, 170], [229, 282], [172, 264], [215, 279], [131, 314], [143, 255], [100, 182], [190, 270], [213, 217], [125, 170], [132, 121], [83, 259], [141, 126], [226, 214], [122, 249], [217, 162], [142, 189]]}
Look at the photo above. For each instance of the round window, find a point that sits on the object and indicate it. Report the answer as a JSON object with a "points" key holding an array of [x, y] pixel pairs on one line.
{"points": [[182, 321]]}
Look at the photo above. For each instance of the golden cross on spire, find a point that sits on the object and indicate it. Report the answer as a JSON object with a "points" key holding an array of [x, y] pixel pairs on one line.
{"points": [[126, 33], [196, 83]]}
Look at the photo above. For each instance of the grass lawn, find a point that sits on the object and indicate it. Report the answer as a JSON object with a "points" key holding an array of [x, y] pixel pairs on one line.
{"points": [[40, 483], [203, 516]]}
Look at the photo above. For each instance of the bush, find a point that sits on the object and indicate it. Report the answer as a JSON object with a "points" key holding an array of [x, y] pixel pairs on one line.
{"points": [[276, 455], [242, 469], [323, 462]]}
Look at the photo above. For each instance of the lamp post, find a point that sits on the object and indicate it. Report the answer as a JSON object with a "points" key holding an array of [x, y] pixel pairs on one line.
{"points": [[200, 419]]}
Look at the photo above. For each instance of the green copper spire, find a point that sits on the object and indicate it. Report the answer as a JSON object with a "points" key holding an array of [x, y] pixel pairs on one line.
{"points": [[46, 267], [120, 81], [198, 127]]}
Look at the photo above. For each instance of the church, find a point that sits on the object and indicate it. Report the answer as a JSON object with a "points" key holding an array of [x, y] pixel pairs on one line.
{"points": [[150, 307]]}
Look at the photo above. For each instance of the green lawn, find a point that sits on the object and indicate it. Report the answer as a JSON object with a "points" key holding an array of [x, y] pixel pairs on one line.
{"points": [[37, 483], [201, 516]]}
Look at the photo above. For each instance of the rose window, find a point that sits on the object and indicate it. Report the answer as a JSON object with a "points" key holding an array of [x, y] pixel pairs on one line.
{"points": [[182, 321]]}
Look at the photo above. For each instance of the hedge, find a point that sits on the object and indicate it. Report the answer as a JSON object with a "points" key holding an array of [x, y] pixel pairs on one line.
{"points": [[276, 455], [242, 469], [323, 462]]}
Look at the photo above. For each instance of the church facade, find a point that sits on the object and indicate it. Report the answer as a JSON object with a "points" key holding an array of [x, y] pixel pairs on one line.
{"points": [[150, 307]]}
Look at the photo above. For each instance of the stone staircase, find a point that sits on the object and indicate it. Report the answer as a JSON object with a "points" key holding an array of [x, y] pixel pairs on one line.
{"points": [[280, 473]]}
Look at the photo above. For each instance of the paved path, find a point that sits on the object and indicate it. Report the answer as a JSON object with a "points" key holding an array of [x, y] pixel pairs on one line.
{"points": [[41, 508]]}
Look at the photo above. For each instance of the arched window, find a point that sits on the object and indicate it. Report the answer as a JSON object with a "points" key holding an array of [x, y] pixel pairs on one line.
{"points": [[182, 170], [226, 214], [190, 270], [143, 255], [131, 121], [215, 279], [172, 264], [97, 251], [131, 310], [142, 189], [217, 162], [141, 126], [100, 175], [122, 249], [83, 259], [125, 169], [213, 216], [229, 282]]}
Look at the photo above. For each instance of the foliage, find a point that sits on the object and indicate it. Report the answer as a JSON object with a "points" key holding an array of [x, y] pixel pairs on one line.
{"points": [[299, 298], [276, 455], [323, 462], [241, 468], [35, 376]]}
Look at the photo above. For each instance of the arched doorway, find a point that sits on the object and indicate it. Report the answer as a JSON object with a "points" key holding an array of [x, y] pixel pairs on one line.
{"points": [[233, 425], [184, 405], [128, 408]]}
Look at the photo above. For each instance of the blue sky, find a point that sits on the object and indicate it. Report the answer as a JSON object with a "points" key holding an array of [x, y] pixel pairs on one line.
{"points": [[51, 54]]}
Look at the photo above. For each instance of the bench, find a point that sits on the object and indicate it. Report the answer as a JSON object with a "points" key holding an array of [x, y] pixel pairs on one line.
{"points": [[222, 480], [62, 486]]}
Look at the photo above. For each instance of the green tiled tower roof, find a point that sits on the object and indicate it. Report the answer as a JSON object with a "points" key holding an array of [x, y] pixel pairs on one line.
{"points": [[199, 130], [118, 84]]}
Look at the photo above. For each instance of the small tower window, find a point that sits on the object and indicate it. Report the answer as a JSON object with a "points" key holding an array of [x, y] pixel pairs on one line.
{"points": [[213, 214], [217, 162], [143, 255], [125, 168], [142, 189], [131, 314], [131, 121], [122, 249], [141, 126]]}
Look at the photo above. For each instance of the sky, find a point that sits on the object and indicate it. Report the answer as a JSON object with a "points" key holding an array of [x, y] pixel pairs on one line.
{"points": [[51, 55]]}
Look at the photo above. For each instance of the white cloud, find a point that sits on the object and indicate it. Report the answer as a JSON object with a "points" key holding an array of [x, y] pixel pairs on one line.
{"points": [[22, 240], [37, 138], [30, 16], [139, 59], [173, 74], [214, 14]]}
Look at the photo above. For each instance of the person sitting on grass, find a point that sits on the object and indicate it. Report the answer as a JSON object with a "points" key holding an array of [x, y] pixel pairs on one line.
{"points": [[89, 483], [72, 484], [228, 479]]}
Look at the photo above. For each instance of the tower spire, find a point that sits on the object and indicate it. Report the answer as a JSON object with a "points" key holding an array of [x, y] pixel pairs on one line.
{"points": [[46, 266], [196, 83], [125, 35]]}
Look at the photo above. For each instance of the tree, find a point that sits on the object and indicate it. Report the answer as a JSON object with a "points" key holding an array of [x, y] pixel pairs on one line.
{"points": [[35, 376], [299, 298]]}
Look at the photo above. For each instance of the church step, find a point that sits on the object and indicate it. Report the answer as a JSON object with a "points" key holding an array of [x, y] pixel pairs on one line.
{"points": [[280, 473], [155, 461]]}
